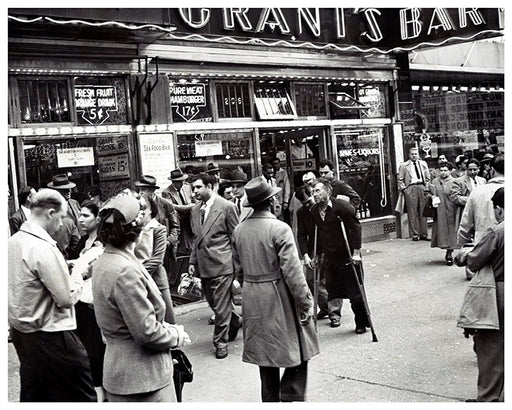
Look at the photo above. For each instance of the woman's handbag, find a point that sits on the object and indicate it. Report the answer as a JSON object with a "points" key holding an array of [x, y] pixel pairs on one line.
{"points": [[429, 211], [183, 372]]}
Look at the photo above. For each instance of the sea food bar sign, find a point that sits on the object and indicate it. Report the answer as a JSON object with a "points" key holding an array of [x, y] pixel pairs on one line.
{"points": [[93, 102], [381, 28]]}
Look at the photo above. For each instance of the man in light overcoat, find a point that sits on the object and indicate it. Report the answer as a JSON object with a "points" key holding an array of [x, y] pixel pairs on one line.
{"points": [[276, 302]]}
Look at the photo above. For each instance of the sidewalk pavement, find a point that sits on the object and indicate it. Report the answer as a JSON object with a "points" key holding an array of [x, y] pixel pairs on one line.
{"points": [[420, 356]]}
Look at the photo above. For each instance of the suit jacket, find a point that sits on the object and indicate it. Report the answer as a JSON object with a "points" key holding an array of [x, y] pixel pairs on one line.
{"points": [[406, 172], [16, 220], [74, 211], [211, 251], [342, 188], [245, 211], [172, 193], [305, 231], [461, 189], [168, 217], [130, 313], [283, 182], [186, 236]]}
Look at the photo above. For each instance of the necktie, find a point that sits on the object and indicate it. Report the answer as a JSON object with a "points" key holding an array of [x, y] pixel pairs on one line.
{"points": [[418, 173], [238, 206], [181, 198], [203, 213]]}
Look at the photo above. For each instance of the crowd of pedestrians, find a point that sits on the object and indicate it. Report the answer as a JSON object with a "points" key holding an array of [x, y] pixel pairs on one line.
{"points": [[90, 285]]}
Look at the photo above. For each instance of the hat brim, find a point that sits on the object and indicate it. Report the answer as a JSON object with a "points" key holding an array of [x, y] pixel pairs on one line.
{"points": [[182, 178], [69, 185], [213, 170], [142, 184], [270, 194], [237, 181]]}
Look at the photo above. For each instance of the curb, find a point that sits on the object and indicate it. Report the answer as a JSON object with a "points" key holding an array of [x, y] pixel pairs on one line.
{"points": [[189, 307]]}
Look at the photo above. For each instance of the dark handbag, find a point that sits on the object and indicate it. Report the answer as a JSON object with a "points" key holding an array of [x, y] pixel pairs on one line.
{"points": [[429, 211], [183, 372]]}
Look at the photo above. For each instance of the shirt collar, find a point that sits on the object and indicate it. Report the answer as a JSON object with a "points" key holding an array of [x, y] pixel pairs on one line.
{"points": [[37, 230], [25, 210]]}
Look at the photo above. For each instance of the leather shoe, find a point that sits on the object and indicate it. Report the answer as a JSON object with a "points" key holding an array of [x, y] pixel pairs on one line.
{"points": [[335, 322], [415, 238], [449, 261], [360, 330], [233, 332], [424, 238], [221, 352], [322, 314], [211, 320]]}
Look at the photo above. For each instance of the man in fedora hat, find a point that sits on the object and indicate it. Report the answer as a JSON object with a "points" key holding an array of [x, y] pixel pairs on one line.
{"points": [[238, 181], [167, 215], [276, 302], [68, 235], [213, 169], [213, 221]]}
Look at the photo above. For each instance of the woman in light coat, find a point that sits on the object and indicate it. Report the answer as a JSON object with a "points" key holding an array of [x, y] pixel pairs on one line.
{"points": [[276, 301], [444, 229], [130, 312]]}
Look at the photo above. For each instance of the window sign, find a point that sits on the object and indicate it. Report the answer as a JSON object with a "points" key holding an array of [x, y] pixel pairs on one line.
{"points": [[95, 102], [207, 148], [113, 167], [233, 100], [157, 156], [189, 101], [75, 157]]}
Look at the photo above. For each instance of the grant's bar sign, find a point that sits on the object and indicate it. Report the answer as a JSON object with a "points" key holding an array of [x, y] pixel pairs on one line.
{"points": [[364, 28]]}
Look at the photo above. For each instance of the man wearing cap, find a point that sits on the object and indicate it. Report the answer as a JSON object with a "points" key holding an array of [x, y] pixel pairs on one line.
{"points": [[68, 235], [42, 293], [213, 221], [276, 302], [238, 181], [167, 216]]}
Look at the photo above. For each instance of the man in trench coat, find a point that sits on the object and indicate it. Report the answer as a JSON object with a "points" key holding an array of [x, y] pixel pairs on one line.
{"points": [[276, 302]]}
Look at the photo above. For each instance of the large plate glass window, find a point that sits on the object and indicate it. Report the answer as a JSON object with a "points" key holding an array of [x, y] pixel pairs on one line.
{"points": [[100, 100], [272, 100], [230, 149], [363, 162], [310, 100], [452, 121], [190, 100], [233, 100], [44, 100], [98, 165], [350, 100]]}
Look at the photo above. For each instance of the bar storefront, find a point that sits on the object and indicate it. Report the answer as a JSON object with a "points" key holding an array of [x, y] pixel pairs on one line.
{"points": [[237, 87]]}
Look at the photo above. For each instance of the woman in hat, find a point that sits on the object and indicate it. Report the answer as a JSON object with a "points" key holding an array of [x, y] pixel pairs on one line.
{"points": [[130, 311], [150, 249], [276, 301]]}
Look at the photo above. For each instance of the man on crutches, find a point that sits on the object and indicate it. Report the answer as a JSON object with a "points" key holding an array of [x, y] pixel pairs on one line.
{"points": [[338, 258]]}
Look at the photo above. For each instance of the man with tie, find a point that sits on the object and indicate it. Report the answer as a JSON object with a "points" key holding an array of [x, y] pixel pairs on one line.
{"points": [[238, 181], [463, 186], [68, 235], [413, 182], [213, 221]]}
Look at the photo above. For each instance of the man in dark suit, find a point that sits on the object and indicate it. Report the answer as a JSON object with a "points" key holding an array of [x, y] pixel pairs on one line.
{"points": [[414, 182], [213, 221], [68, 235], [340, 189], [22, 214], [238, 180], [328, 213]]}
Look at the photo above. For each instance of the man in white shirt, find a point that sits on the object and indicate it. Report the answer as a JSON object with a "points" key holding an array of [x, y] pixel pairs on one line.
{"points": [[42, 293]]}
